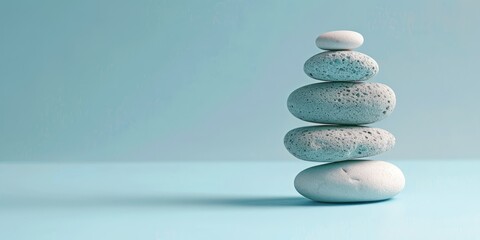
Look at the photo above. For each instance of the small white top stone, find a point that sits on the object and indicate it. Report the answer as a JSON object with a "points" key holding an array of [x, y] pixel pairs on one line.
{"points": [[339, 40]]}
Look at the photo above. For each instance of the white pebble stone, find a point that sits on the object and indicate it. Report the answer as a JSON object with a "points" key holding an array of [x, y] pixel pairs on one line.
{"points": [[339, 40], [350, 181]]}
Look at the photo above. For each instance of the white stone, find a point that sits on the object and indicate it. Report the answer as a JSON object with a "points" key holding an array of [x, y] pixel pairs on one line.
{"points": [[339, 40], [350, 181]]}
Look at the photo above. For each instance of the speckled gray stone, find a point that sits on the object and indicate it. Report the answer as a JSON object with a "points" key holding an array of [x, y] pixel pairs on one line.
{"points": [[351, 103], [330, 143], [341, 66], [350, 181]]}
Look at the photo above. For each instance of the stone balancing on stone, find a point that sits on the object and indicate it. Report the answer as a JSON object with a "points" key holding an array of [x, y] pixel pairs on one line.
{"points": [[341, 104]]}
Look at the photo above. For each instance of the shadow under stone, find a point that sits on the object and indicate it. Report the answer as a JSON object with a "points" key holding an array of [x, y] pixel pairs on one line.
{"points": [[164, 201]]}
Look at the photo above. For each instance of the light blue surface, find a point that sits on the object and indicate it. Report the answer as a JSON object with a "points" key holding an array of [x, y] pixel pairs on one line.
{"points": [[104, 80], [227, 200]]}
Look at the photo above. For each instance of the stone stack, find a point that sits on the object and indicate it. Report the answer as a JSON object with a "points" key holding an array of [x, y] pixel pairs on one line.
{"points": [[343, 104]]}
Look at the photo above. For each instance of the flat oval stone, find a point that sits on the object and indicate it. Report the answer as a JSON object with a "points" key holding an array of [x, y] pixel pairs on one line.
{"points": [[341, 66], [350, 181], [330, 143], [351, 103], [339, 40]]}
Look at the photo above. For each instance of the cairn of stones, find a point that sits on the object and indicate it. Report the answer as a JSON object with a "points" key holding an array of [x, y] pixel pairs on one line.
{"points": [[341, 106]]}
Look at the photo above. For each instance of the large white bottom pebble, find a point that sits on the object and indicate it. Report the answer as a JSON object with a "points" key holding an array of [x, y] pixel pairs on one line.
{"points": [[350, 181]]}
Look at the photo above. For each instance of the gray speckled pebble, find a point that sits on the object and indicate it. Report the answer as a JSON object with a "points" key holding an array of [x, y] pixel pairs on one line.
{"points": [[341, 66], [350, 181], [351, 103], [330, 143]]}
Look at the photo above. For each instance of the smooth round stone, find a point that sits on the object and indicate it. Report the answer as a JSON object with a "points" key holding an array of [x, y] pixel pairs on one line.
{"points": [[351, 103], [330, 143], [341, 66], [350, 181], [339, 40]]}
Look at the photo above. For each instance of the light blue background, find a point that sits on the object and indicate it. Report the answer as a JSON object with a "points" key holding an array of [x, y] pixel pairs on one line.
{"points": [[208, 80]]}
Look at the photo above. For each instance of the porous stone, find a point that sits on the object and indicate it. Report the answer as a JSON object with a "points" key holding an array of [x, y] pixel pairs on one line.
{"points": [[350, 181], [341, 66], [339, 40], [351, 103], [330, 143]]}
